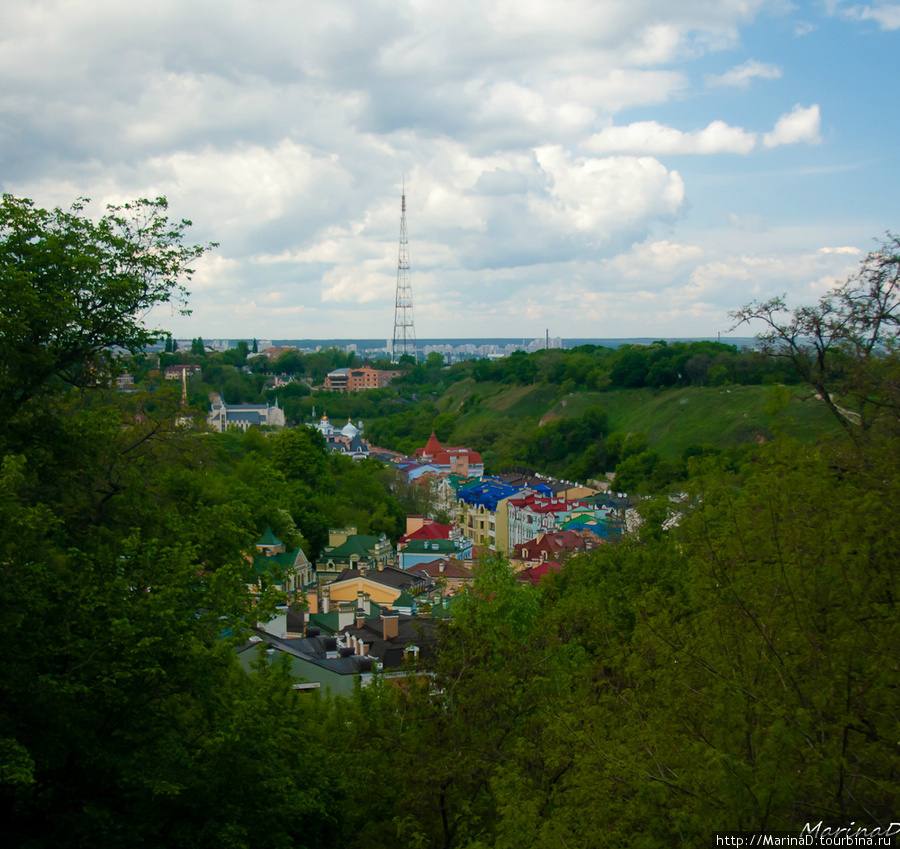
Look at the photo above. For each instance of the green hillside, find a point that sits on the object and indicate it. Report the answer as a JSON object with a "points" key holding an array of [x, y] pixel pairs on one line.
{"points": [[673, 419], [723, 416]]}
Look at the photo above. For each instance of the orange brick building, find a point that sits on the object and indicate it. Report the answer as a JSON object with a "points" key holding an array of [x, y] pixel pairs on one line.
{"points": [[357, 379]]}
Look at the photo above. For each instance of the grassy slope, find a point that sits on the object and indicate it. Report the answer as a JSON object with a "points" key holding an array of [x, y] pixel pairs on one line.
{"points": [[673, 419]]}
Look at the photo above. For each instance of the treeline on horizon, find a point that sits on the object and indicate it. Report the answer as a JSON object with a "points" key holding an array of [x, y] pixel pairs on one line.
{"points": [[658, 365]]}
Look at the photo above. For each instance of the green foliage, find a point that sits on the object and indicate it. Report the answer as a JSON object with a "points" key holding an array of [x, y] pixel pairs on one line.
{"points": [[300, 455], [556, 444], [71, 289], [125, 563], [736, 673], [125, 544]]}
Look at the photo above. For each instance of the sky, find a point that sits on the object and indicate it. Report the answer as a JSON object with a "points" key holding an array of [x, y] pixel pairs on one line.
{"points": [[605, 169]]}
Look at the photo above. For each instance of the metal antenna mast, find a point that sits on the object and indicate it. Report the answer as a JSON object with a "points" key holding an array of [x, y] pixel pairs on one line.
{"points": [[404, 331]]}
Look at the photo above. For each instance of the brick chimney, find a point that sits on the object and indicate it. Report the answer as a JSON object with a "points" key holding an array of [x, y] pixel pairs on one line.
{"points": [[390, 624]]}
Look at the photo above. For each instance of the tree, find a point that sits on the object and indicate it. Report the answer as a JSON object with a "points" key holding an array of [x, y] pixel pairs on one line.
{"points": [[434, 360], [124, 554], [125, 557], [290, 362], [197, 348], [450, 739], [300, 454], [72, 288], [845, 346]]}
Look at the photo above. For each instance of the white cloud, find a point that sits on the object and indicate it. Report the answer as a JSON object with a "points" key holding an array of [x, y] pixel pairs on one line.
{"points": [[844, 250], [357, 285], [284, 130], [649, 137], [617, 89], [800, 125], [733, 279], [609, 195], [886, 15], [658, 261], [742, 75]]}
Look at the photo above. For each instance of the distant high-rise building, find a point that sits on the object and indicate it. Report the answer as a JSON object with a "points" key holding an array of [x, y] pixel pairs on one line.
{"points": [[404, 331]]}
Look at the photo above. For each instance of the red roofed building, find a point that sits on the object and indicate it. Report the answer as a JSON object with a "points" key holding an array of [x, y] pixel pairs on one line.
{"points": [[534, 514], [534, 574], [548, 551], [450, 573], [555, 546], [453, 461], [417, 527]]}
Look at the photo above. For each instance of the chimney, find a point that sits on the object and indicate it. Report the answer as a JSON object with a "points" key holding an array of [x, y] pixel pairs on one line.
{"points": [[345, 615], [326, 600], [360, 618], [390, 624]]}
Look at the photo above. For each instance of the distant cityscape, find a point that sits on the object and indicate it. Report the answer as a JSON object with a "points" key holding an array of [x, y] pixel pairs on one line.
{"points": [[453, 350]]}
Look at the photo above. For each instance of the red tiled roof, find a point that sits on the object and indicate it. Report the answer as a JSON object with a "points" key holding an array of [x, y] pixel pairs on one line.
{"points": [[540, 504], [441, 454], [553, 544], [432, 530], [442, 458], [535, 573]]}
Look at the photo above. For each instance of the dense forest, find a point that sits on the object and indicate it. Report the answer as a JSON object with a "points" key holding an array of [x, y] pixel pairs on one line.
{"points": [[736, 672]]}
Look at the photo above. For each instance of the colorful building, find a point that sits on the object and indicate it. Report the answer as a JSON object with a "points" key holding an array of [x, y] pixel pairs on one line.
{"points": [[451, 460], [358, 379]]}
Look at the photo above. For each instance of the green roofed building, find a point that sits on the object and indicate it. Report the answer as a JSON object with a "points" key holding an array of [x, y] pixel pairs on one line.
{"points": [[275, 566], [347, 549]]}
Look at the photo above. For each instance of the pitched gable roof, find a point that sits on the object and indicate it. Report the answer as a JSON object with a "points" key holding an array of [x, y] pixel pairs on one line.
{"points": [[554, 544], [445, 568], [390, 576], [432, 530]]}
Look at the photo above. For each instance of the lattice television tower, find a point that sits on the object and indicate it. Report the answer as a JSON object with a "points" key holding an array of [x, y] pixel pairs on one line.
{"points": [[404, 331]]}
